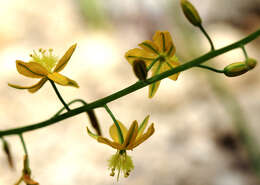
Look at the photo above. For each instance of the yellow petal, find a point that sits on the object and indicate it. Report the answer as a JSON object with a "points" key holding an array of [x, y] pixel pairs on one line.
{"points": [[92, 134], [32, 88], [154, 86], [142, 126], [37, 86], [144, 137], [172, 63], [164, 41], [139, 54], [64, 60], [114, 133], [31, 69], [110, 143], [62, 80], [150, 47], [131, 135]]}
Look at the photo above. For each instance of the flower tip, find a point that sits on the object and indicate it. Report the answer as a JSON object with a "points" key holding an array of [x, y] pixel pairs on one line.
{"points": [[190, 13], [74, 46]]}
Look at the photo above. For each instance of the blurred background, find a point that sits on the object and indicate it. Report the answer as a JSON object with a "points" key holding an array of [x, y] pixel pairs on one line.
{"points": [[202, 121]]}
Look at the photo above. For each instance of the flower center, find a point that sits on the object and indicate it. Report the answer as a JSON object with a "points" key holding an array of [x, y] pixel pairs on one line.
{"points": [[121, 162], [45, 58]]}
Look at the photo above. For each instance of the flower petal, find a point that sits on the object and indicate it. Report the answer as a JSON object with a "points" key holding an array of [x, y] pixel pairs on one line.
{"points": [[139, 54], [142, 126], [150, 47], [32, 88], [92, 134], [114, 133], [37, 86], [64, 60], [31, 69], [110, 143], [164, 41], [144, 137], [131, 134], [62, 80], [172, 63], [154, 86]]}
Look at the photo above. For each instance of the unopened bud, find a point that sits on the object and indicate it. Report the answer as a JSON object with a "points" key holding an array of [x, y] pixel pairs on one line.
{"points": [[251, 63], [236, 69], [26, 169], [94, 121], [190, 13], [8, 153], [140, 69]]}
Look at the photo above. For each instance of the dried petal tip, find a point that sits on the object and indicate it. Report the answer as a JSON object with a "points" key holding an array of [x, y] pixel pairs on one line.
{"points": [[140, 69], [190, 13]]}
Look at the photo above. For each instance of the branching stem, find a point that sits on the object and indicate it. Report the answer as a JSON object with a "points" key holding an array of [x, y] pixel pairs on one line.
{"points": [[138, 85]]}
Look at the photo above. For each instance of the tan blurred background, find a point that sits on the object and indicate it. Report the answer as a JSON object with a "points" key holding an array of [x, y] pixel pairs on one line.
{"points": [[196, 140]]}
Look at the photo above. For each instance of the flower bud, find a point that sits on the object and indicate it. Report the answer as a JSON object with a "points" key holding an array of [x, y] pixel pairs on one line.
{"points": [[236, 69], [251, 63], [190, 13], [94, 121], [7, 151], [140, 69]]}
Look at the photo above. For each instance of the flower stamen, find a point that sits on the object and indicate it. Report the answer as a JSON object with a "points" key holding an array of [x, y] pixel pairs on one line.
{"points": [[45, 58]]}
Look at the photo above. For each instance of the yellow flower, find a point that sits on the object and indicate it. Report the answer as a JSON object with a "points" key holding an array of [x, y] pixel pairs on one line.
{"points": [[132, 137], [41, 66], [159, 53]]}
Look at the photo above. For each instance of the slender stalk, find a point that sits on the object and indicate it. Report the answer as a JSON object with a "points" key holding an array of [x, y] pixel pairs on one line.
{"points": [[24, 145], [91, 114], [244, 51], [207, 36], [26, 162], [70, 103], [210, 68], [138, 85], [121, 138], [59, 96]]}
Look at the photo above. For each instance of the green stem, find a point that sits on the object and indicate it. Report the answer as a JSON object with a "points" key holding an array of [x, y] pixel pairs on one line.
{"points": [[244, 51], [207, 36], [210, 68], [121, 138], [59, 96], [24, 145], [153, 62], [70, 103], [138, 85], [91, 114]]}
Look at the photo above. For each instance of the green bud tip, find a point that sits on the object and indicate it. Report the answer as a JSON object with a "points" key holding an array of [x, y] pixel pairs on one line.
{"points": [[190, 13], [251, 63]]}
